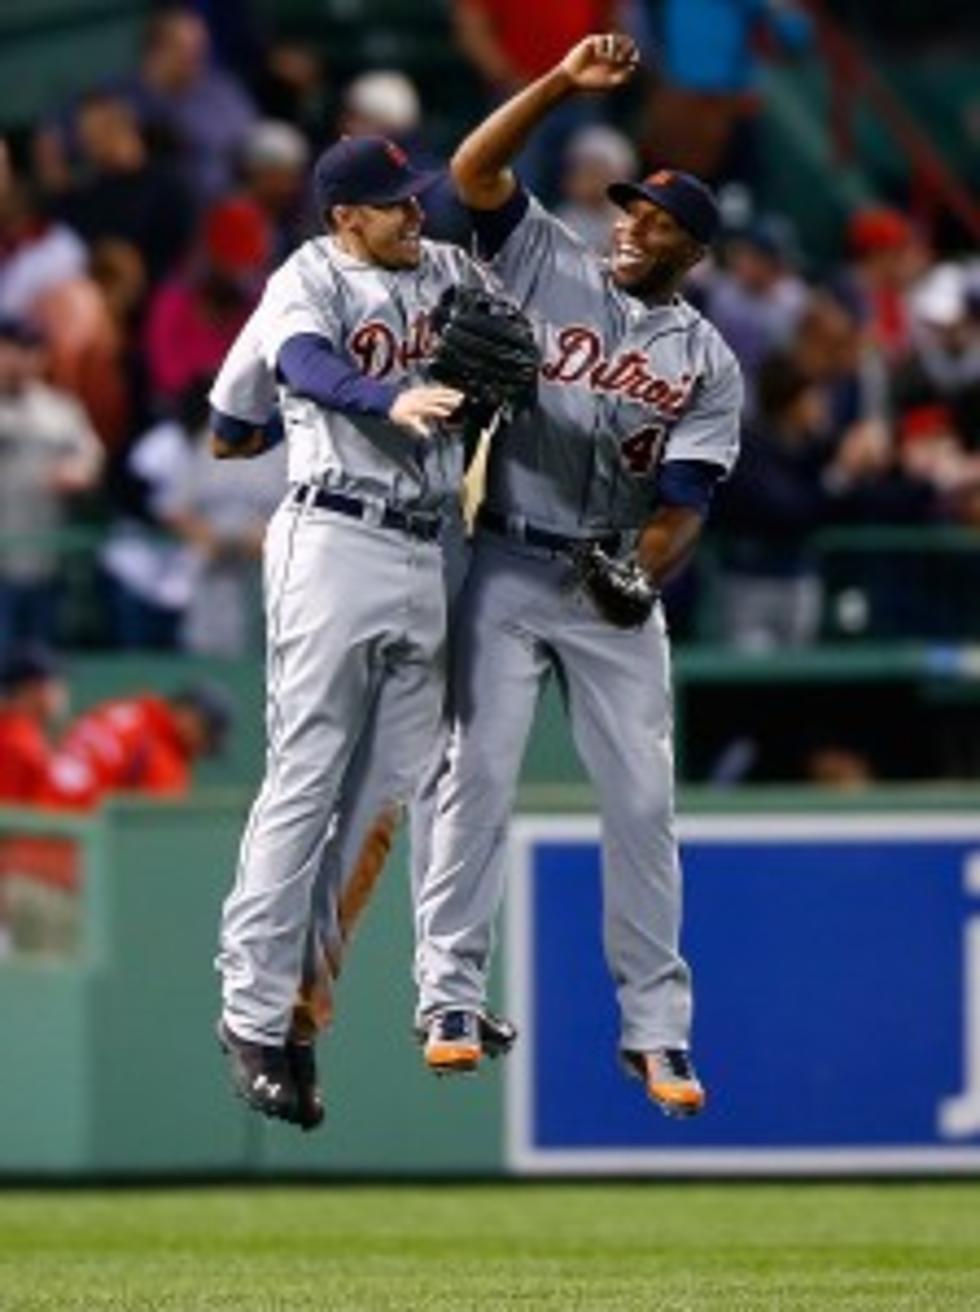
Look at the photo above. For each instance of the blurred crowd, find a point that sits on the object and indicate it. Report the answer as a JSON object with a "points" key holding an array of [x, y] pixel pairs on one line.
{"points": [[143, 743], [139, 221]]}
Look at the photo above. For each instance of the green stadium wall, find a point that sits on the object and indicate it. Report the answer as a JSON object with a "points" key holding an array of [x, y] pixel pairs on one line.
{"points": [[110, 1063]]}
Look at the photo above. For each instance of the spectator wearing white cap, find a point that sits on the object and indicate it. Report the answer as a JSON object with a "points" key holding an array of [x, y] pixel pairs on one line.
{"points": [[274, 165], [945, 314], [383, 102], [595, 157], [937, 388], [386, 103]]}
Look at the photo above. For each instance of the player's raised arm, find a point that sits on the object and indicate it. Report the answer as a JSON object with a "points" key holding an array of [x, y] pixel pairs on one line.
{"points": [[481, 165]]}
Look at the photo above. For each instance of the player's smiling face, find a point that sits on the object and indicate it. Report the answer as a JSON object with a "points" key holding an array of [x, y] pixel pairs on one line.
{"points": [[387, 235], [651, 252]]}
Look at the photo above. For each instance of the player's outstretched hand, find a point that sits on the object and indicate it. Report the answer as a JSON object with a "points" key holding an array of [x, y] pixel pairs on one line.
{"points": [[600, 63], [417, 408]]}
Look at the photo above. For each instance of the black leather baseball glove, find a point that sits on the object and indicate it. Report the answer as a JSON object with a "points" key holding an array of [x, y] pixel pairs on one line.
{"points": [[621, 591], [485, 347]]}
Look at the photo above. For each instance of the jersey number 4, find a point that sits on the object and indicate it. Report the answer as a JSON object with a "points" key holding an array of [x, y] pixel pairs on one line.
{"points": [[641, 450]]}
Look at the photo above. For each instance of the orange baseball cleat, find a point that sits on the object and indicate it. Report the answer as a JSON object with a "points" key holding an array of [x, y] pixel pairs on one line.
{"points": [[670, 1079]]}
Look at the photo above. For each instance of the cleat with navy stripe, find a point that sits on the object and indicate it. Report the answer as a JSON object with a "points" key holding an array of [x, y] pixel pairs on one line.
{"points": [[671, 1081], [452, 1042]]}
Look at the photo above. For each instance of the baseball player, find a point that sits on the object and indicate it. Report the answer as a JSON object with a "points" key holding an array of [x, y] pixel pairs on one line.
{"points": [[354, 592], [353, 570], [246, 422], [637, 420]]}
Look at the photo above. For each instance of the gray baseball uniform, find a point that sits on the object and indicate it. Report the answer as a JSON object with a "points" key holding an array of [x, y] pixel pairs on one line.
{"points": [[625, 388], [355, 607]]}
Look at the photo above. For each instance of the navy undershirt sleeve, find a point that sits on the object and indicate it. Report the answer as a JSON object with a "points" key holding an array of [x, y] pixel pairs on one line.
{"points": [[688, 483], [238, 431], [312, 368], [274, 430], [493, 227]]}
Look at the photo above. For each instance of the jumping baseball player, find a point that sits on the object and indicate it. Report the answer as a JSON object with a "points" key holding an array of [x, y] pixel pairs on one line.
{"points": [[247, 423], [354, 591], [593, 501]]}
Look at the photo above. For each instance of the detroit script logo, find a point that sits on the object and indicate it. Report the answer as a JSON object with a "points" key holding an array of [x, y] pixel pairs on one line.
{"points": [[378, 351]]}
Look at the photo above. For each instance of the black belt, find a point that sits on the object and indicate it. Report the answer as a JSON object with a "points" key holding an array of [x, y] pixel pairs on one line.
{"points": [[541, 537], [426, 527]]}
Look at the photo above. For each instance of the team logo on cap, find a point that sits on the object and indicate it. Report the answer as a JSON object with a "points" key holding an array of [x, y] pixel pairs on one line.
{"points": [[396, 154], [662, 178]]}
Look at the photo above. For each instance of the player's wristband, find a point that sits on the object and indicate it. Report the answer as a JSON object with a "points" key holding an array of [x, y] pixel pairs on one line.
{"points": [[688, 483], [240, 432], [273, 431]]}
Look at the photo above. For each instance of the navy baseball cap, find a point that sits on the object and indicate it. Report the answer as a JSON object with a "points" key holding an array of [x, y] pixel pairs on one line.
{"points": [[28, 663], [366, 171], [682, 195], [215, 706]]}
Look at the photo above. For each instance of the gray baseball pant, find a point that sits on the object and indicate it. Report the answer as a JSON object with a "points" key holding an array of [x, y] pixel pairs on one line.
{"points": [[521, 619], [356, 624], [371, 788]]}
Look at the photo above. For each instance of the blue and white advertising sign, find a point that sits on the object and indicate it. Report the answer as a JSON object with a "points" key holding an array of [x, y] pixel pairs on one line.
{"points": [[837, 1000]]}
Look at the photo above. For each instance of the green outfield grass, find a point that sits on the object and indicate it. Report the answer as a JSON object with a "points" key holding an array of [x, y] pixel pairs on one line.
{"points": [[682, 1248]]}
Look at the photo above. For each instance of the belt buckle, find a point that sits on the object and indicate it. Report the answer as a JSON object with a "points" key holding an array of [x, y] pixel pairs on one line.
{"points": [[516, 527], [373, 512], [422, 526]]}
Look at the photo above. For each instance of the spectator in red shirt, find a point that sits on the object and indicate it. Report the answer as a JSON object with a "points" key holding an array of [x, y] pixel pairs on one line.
{"points": [[144, 744], [33, 697], [510, 43], [194, 319], [888, 256]]}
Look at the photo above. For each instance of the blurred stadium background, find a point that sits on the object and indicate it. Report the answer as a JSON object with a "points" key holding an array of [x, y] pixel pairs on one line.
{"points": [[827, 668]]}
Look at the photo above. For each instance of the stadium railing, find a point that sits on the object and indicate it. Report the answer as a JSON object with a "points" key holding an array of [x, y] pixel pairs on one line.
{"points": [[899, 582], [881, 583], [899, 645]]}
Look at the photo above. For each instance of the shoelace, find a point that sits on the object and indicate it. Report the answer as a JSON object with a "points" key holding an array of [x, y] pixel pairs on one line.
{"points": [[454, 1025], [679, 1062]]}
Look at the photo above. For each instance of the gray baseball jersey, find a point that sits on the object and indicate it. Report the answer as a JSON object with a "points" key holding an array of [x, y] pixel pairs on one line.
{"points": [[625, 388], [356, 612], [378, 320], [245, 385]]}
